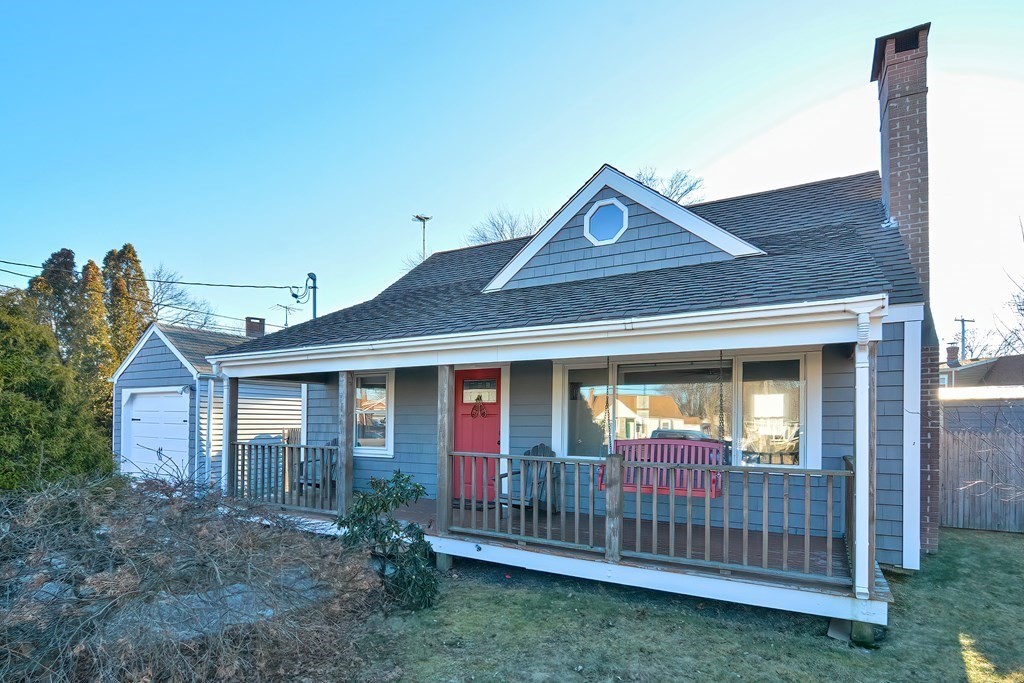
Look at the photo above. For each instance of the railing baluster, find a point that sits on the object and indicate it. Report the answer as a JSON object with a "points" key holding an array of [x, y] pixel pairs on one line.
{"points": [[785, 522], [549, 493], [726, 516], [559, 499], [462, 490], [638, 475], [689, 512], [576, 503], [654, 510], [764, 520], [807, 524], [535, 499], [472, 488], [828, 527], [672, 512], [746, 517], [708, 482], [592, 469], [522, 497]]}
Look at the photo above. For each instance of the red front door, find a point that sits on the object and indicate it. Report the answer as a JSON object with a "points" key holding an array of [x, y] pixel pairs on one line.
{"points": [[477, 430]]}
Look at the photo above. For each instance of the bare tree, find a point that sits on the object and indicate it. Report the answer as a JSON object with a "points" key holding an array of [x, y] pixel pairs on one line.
{"points": [[677, 187], [173, 304], [977, 343], [503, 224]]}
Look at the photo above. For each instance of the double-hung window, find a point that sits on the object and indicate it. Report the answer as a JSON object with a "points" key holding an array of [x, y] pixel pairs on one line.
{"points": [[374, 406]]}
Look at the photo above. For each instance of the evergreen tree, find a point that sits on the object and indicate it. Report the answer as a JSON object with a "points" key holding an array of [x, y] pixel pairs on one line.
{"points": [[129, 306], [92, 355], [47, 430], [57, 291]]}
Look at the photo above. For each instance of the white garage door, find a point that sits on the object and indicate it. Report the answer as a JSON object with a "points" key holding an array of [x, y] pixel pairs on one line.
{"points": [[155, 439]]}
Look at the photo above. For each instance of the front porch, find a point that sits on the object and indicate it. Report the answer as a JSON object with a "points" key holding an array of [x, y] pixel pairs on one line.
{"points": [[745, 475]]}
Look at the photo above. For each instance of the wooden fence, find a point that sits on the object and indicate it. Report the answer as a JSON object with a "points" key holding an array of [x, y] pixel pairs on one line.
{"points": [[983, 480]]}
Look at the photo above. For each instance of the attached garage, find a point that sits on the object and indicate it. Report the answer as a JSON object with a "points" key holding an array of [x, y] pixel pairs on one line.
{"points": [[168, 413]]}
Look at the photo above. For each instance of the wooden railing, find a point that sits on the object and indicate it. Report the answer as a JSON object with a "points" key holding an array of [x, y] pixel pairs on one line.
{"points": [[767, 520], [779, 521], [298, 477], [547, 500]]}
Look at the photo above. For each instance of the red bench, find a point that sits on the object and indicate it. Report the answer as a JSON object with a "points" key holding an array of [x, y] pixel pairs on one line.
{"points": [[669, 451]]}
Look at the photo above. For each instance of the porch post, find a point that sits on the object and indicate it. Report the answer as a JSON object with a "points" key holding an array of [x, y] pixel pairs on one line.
{"points": [[613, 507], [445, 442], [346, 439], [863, 465], [229, 456]]}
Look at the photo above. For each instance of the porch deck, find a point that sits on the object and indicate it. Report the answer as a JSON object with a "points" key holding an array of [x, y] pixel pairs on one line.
{"points": [[707, 549]]}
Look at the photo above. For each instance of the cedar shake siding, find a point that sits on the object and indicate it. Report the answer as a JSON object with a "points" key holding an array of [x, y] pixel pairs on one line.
{"points": [[650, 242]]}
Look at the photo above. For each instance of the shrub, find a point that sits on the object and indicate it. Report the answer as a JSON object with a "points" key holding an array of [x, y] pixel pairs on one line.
{"points": [[47, 429], [401, 554]]}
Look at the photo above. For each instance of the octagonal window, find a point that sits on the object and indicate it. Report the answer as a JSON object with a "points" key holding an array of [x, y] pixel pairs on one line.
{"points": [[605, 222]]}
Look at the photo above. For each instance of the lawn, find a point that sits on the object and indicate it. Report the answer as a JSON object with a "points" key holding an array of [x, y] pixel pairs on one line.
{"points": [[959, 619]]}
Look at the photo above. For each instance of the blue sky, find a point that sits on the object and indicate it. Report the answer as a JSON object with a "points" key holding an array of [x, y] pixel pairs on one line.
{"points": [[254, 142]]}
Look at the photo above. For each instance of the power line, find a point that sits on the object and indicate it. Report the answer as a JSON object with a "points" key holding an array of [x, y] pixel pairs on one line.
{"points": [[170, 282], [170, 306]]}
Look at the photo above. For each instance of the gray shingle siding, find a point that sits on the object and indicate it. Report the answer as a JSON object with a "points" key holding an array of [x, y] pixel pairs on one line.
{"points": [[415, 429], [155, 365], [650, 242], [529, 406], [889, 446]]}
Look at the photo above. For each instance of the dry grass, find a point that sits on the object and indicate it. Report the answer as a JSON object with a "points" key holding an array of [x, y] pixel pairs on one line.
{"points": [[110, 582], [959, 619]]}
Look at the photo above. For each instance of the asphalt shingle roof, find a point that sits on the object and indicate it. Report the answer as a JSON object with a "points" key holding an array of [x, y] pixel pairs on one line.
{"points": [[822, 240], [196, 345]]}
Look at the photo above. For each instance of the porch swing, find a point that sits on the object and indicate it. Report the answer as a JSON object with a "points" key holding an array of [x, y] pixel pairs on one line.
{"points": [[636, 453]]}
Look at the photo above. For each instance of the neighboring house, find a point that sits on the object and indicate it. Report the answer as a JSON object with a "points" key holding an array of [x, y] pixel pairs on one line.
{"points": [[163, 415], [795, 319], [982, 395]]}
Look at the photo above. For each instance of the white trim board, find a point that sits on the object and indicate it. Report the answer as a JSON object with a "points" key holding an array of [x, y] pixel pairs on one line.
{"points": [[911, 445], [744, 592], [154, 329], [608, 176], [758, 327]]}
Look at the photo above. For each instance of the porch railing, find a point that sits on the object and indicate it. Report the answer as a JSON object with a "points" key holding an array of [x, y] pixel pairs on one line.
{"points": [[290, 476], [548, 500], [778, 521]]}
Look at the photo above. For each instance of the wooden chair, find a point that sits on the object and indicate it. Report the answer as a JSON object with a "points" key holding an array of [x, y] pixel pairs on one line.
{"points": [[525, 474]]}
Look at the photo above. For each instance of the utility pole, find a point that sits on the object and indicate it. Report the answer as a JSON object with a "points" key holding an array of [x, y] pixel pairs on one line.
{"points": [[309, 291], [963, 335], [423, 223]]}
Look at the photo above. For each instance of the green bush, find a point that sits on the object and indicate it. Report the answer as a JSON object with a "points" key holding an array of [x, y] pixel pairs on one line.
{"points": [[401, 553], [47, 430]]}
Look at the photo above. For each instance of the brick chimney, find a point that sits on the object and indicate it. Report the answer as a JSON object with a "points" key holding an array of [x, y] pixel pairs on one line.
{"points": [[255, 327], [952, 355], [899, 67]]}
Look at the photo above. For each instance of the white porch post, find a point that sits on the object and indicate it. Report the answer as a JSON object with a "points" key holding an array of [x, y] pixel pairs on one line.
{"points": [[862, 570]]}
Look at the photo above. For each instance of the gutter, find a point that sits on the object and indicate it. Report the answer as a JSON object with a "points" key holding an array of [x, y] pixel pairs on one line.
{"points": [[738, 317]]}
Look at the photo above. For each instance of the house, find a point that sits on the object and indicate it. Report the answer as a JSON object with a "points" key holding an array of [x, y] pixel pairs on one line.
{"points": [[164, 420], [982, 394], [794, 322]]}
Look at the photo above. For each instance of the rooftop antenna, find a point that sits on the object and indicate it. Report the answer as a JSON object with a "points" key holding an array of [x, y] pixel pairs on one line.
{"points": [[287, 310], [963, 335], [423, 223]]}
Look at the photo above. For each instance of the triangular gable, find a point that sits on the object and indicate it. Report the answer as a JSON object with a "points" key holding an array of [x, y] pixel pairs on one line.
{"points": [[151, 331], [611, 178]]}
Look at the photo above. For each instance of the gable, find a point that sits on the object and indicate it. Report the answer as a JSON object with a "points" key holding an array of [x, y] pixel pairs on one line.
{"points": [[650, 241], [660, 234], [154, 362]]}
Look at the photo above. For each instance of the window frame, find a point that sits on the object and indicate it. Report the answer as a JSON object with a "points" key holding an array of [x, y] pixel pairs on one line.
{"points": [[811, 400], [591, 237], [810, 409], [388, 449]]}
